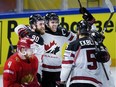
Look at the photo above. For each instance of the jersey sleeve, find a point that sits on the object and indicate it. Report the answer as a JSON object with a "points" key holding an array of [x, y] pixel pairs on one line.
{"points": [[67, 62], [70, 56], [71, 36], [9, 75]]}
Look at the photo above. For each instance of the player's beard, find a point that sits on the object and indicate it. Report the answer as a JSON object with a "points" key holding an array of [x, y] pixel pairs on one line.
{"points": [[40, 31]]}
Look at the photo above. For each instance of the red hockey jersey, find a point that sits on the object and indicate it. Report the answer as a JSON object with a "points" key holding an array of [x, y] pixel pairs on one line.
{"points": [[20, 73]]}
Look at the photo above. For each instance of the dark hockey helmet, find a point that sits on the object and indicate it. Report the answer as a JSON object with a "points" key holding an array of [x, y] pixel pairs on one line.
{"points": [[51, 16], [34, 18], [83, 27], [98, 37]]}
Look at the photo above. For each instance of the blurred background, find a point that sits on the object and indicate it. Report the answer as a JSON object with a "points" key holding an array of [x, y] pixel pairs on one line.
{"points": [[33, 5]]}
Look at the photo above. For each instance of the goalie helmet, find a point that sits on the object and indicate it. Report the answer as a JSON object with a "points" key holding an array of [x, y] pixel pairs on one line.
{"points": [[34, 18], [83, 27], [51, 16]]}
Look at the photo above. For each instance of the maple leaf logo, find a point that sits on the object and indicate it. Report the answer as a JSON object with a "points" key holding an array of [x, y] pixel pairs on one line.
{"points": [[47, 47], [52, 47]]}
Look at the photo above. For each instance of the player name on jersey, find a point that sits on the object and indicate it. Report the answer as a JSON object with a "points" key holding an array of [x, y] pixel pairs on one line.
{"points": [[86, 42]]}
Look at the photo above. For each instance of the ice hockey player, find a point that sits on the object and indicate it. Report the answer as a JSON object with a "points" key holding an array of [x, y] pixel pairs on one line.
{"points": [[102, 53], [55, 39], [80, 61], [34, 31], [21, 68]]}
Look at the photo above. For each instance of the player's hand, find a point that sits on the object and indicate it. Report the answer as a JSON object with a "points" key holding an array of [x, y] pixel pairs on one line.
{"points": [[23, 32], [61, 84], [98, 37], [102, 56]]}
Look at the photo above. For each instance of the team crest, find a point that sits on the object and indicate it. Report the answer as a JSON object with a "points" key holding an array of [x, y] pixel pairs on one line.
{"points": [[52, 47]]}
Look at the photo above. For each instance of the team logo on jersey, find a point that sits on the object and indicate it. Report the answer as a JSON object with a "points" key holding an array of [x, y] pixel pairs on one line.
{"points": [[52, 47], [27, 79]]}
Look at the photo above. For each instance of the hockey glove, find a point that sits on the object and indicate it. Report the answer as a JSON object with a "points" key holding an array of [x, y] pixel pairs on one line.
{"points": [[102, 56], [98, 37], [101, 53], [87, 15], [23, 32]]}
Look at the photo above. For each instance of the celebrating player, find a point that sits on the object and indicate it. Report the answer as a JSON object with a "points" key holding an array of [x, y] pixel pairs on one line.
{"points": [[54, 39], [34, 31], [80, 61]]}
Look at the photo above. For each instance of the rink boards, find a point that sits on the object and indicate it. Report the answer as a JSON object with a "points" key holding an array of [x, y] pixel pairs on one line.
{"points": [[68, 19]]}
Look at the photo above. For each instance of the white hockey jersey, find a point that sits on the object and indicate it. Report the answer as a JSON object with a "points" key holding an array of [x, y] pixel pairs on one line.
{"points": [[54, 47], [85, 69], [107, 82]]}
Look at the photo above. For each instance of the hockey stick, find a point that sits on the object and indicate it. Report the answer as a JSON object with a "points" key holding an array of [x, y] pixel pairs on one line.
{"points": [[75, 58], [13, 51], [86, 14], [80, 4], [110, 6]]}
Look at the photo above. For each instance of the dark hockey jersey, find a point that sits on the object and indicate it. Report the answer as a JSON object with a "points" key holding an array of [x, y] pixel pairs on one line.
{"points": [[38, 46], [36, 37]]}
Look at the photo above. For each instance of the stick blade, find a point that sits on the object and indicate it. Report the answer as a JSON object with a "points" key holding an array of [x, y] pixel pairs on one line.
{"points": [[110, 6]]}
